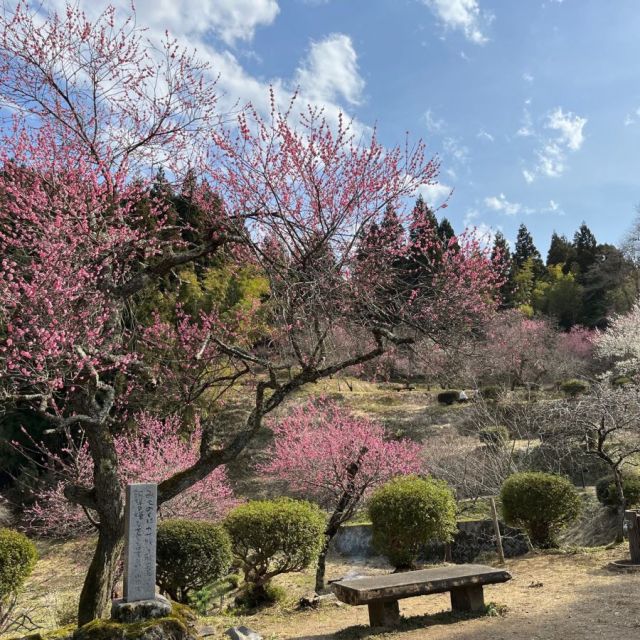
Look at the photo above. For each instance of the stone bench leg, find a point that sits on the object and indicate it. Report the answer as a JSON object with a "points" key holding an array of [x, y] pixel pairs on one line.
{"points": [[467, 598], [384, 614]]}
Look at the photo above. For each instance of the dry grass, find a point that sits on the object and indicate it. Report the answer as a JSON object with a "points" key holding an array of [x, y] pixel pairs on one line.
{"points": [[567, 595]]}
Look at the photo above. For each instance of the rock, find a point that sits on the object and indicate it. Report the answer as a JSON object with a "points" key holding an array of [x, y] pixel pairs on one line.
{"points": [[128, 612], [207, 631], [463, 397], [315, 601], [242, 633]]}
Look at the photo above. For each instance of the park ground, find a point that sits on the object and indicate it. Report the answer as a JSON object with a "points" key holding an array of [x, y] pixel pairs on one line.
{"points": [[561, 596]]}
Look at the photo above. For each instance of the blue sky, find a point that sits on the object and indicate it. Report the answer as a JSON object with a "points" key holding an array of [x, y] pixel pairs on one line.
{"points": [[532, 105]]}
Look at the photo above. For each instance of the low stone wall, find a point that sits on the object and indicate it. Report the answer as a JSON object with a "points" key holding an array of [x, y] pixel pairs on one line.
{"points": [[473, 538]]}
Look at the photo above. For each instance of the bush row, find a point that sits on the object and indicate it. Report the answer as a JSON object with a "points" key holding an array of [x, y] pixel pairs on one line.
{"points": [[265, 538]]}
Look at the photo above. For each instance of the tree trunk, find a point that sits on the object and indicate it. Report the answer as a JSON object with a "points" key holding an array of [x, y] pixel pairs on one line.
{"points": [[322, 565], [109, 502], [343, 510], [98, 583], [617, 476]]}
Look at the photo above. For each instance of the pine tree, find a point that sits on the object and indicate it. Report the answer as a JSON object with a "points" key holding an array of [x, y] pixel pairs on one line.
{"points": [[604, 286], [445, 231], [561, 251], [425, 252], [501, 252], [525, 248], [586, 250], [392, 230]]}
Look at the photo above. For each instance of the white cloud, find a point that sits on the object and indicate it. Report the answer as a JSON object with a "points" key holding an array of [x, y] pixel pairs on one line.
{"points": [[632, 118], [481, 231], [434, 125], [471, 215], [551, 160], [553, 207], [456, 150], [551, 155], [501, 204], [485, 135], [526, 129], [570, 127], [527, 77], [330, 71], [327, 75], [462, 15], [230, 20], [435, 194]]}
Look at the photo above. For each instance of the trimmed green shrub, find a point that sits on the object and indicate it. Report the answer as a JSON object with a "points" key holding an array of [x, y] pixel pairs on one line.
{"points": [[608, 496], [408, 513], [190, 555], [270, 537], [494, 436], [448, 397], [18, 557], [540, 503], [254, 596], [491, 392], [574, 387]]}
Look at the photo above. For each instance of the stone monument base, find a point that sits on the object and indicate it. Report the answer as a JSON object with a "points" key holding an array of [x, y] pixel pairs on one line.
{"points": [[140, 610]]}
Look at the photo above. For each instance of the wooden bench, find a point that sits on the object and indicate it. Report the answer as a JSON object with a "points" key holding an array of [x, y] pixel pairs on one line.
{"points": [[381, 593]]}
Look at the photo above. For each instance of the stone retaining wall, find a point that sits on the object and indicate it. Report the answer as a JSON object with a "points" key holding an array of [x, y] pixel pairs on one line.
{"points": [[473, 538]]}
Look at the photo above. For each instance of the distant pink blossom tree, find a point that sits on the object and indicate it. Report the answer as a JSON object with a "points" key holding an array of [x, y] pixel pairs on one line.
{"points": [[155, 450], [518, 349], [328, 454]]}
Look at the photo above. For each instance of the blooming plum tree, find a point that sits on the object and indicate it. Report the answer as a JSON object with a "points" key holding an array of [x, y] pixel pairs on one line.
{"points": [[153, 451], [84, 237], [336, 458], [619, 346]]}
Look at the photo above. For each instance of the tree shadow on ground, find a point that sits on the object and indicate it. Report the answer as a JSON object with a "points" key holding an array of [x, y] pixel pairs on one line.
{"points": [[412, 623]]}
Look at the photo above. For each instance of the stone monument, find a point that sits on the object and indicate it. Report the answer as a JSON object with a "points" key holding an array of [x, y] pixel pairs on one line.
{"points": [[139, 601]]}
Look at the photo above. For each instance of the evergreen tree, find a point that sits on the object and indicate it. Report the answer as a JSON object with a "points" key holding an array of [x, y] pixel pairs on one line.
{"points": [[445, 231], [425, 252], [561, 251], [586, 250], [501, 252], [392, 230], [526, 249], [605, 285]]}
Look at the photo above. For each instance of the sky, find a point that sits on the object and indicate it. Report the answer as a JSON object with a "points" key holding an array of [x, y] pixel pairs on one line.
{"points": [[532, 106]]}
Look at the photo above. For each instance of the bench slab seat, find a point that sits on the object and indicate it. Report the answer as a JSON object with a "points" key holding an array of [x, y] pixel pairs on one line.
{"points": [[381, 593]]}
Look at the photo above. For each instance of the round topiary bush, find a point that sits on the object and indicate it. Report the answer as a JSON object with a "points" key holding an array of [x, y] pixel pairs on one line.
{"points": [[541, 504], [270, 537], [608, 496], [18, 557], [408, 513], [494, 436], [190, 555], [448, 397], [574, 387]]}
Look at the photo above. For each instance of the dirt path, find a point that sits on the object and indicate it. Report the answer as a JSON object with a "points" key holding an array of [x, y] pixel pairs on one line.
{"points": [[551, 597], [559, 597]]}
